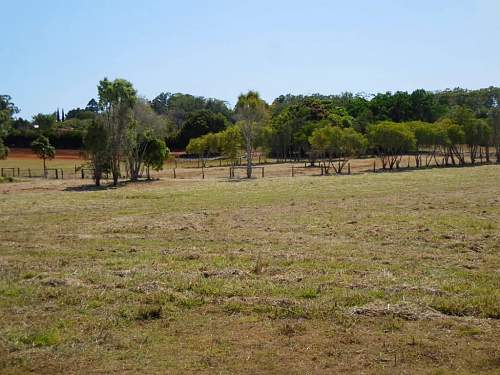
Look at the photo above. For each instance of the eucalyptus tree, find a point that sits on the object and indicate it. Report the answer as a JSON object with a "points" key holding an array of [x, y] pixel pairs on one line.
{"points": [[95, 142], [156, 154], [494, 119], [116, 100], [7, 110], [145, 126], [391, 141], [336, 145], [251, 114], [44, 150]]}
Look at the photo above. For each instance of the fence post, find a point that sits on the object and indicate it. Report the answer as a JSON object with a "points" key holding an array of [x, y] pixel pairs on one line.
{"points": [[57, 174], [202, 173], [62, 174], [348, 168], [174, 174], [83, 173], [262, 172], [293, 174], [29, 172], [374, 165]]}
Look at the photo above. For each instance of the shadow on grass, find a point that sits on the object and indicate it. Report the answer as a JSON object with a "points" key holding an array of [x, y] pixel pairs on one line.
{"points": [[109, 186]]}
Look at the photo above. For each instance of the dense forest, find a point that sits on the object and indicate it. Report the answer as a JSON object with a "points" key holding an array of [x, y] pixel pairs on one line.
{"points": [[292, 126]]}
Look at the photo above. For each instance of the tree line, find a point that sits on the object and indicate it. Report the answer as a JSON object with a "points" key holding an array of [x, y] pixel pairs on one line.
{"points": [[331, 128]]}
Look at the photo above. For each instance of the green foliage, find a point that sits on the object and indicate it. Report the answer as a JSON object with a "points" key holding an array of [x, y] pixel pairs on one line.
{"points": [[494, 120], [199, 123], [391, 140], [179, 106], [230, 143], [42, 148], [116, 94], [96, 147], [116, 99], [156, 153], [252, 113], [335, 142], [45, 122], [4, 150], [201, 146]]}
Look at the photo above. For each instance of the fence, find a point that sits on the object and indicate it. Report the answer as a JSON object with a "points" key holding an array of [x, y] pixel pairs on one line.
{"points": [[224, 168]]}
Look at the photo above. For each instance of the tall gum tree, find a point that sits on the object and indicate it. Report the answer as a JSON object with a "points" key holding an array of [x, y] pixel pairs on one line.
{"points": [[251, 114], [116, 100]]}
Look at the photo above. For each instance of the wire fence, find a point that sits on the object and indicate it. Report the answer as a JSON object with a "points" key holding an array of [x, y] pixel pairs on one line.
{"points": [[218, 168]]}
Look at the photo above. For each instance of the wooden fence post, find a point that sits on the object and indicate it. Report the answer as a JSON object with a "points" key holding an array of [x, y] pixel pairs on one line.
{"points": [[174, 174], [62, 174], [83, 173], [262, 172], [293, 174], [348, 168], [374, 163], [202, 173]]}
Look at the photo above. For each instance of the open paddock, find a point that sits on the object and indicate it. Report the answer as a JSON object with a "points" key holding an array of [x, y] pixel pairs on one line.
{"points": [[374, 273]]}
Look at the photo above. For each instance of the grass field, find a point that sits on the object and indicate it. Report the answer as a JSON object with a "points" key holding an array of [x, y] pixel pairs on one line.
{"points": [[373, 273]]}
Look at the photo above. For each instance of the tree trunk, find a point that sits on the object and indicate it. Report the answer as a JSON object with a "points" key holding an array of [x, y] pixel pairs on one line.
{"points": [[249, 162]]}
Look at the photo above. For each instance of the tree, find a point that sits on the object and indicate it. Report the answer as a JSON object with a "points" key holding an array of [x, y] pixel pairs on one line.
{"points": [[494, 119], [4, 150], [92, 106], [145, 125], [477, 134], [199, 123], [453, 142], [204, 145], [44, 150], [428, 138], [230, 143], [45, 122], [251, 113], [7, 110], [96, 146], [156, 154], [335, 145], [116, 99], [391, 140], [160, 103]]}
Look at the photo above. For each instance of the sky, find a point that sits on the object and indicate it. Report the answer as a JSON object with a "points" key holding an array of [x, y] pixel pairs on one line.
{"points": [[54, 52]]}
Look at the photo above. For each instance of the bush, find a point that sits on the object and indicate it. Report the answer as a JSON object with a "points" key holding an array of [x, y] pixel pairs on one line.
{"points": [[391, 140]]}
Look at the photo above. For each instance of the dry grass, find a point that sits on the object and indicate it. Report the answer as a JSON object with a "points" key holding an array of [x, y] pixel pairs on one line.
{"points": [[376, 273]]}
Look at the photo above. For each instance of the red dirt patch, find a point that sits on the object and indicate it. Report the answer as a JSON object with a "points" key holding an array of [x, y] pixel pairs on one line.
{"points": [[27, 154]]}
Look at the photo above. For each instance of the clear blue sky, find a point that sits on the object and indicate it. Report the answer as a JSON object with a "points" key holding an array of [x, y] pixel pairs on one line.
{"points": [[54, 52]]}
